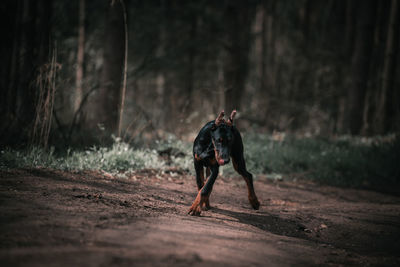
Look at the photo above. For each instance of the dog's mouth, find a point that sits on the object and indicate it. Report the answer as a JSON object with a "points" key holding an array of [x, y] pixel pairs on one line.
{"points": [[219, 159]]}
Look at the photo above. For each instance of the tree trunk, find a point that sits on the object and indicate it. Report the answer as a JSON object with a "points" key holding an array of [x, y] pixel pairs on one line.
{"points": [[270, 53], [376, 67], [123, 88], [360, 66], [28, 51], [191, 62], [80, 56], [264, 49], [265, 62], [305, 20], [11, 13], [349, 31], [25, 97], [42, 34], [110, 84], [162, 107], [384, 110], [11, 52], [238, 19]]}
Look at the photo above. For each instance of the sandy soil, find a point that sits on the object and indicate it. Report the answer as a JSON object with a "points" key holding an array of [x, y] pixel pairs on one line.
{"points": [[55, 218]]}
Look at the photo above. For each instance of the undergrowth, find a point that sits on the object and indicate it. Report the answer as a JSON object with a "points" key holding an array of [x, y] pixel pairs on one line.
{"points": [[119, 157], [345, 161]]}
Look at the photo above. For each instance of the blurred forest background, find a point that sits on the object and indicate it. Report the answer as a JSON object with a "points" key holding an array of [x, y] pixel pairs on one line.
{"points": [[306, 67], [101, 100]]}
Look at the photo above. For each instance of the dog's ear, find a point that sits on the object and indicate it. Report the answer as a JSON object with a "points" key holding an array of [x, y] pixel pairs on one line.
{"points": [[220, 118], [230, 119]]}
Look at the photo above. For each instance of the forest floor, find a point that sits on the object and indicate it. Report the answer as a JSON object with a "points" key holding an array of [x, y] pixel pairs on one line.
{"points": [[57, 218]]}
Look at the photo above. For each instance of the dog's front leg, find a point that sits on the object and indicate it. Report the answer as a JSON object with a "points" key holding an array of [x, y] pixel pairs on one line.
{"points": [[199, 174], [202, 199]]}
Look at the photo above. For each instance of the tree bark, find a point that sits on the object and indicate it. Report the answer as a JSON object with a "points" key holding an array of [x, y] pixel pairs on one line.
{"points": [[42, 33], [80, 56], [110, 84], [11, 13], [270, 53], [191, 59], [360, 66], [25, 105], [385, 109], [264, 51], [238, 19], [264, 48], [123, 88], [28, 50], [349, 30], [265, 62], [306, 19], [11, 52]]}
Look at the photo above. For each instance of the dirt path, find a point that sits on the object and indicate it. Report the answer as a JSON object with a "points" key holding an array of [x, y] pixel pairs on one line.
{"points": [[55, 218]]}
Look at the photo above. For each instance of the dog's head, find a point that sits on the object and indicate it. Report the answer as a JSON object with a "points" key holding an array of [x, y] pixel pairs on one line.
{"points": [[222, 137]]}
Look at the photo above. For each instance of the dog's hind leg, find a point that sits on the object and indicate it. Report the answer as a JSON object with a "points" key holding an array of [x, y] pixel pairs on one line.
{"points": [[240, 166]]}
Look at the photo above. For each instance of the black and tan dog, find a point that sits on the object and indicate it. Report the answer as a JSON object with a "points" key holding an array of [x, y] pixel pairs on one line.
{"points": [[216, 143]]}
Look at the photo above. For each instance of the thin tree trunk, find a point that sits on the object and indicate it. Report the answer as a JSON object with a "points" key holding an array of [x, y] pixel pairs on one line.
{"points": [[264, 48], [360, 66], [44, 71], [162, 104], [270, 53], [123, 89], [42, 32], [80, 56], [221, 85], [108, 97], [30, 50], [9, 51], [376, 66], [384, 109], [306, 21], [12, 85], [238, 21], [25, 97], [265, 81], [191, 65], [349, 31]]}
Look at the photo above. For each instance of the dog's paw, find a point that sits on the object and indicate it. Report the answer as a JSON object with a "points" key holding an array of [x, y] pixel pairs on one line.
{"points": [[199, 204], [206, 205], [254, 203], [195, 210]]}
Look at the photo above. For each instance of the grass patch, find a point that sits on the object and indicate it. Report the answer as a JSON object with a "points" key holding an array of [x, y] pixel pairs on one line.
{"points": [[117, 158], [345, 161]]}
